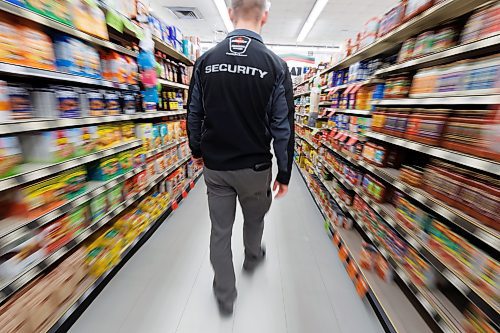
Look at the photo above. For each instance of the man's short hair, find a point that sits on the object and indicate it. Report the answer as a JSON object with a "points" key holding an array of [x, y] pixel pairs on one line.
{"points": [[249, 9]]}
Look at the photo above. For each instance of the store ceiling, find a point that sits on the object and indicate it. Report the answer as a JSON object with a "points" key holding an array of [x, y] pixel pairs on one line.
{"points": [[339, 20]]}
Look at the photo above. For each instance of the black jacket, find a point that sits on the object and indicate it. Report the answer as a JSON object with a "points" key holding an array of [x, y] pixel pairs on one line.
{"points": [[240, 98]]}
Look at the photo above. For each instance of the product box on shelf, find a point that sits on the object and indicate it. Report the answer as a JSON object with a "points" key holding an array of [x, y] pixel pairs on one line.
{"points": [[126, 161], [145, 133], [472, 193], [75, 57], [472, 132], [391, 19], [24, 45], [139, 157], [19, 101], [98, 206], [129, 101], [89, 18], [55, 146], [10, 156], [114, 196], [104, 169], [34, 200], [39, 302], [108, 136]]}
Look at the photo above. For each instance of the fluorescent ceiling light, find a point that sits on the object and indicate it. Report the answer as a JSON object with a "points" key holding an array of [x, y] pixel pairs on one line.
{"points": [[311, 19], [224, 14]]}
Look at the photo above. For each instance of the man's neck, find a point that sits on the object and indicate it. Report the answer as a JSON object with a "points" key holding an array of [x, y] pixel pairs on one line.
{"points": [[252, 26]]}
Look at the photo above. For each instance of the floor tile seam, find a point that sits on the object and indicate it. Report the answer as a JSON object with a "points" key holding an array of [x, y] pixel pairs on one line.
{"points": [[191, 291], [305, 232], [281, 278]]}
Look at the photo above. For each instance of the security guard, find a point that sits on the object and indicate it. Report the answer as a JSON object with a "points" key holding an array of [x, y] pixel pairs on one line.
{"points": [[240, 99]]}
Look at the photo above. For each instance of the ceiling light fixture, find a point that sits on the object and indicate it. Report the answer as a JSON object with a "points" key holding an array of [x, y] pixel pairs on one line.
{"points": [[221, 7], [311, 19]]}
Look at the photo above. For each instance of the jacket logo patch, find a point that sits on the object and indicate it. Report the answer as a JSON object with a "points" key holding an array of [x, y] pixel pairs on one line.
{"points": [[238, 46]]}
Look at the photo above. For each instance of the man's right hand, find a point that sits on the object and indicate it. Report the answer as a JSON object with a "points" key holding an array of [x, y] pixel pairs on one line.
{"points": [[281, 188]]}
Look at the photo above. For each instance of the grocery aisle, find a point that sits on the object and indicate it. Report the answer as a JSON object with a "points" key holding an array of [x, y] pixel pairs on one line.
{"points": [[166, 285]]}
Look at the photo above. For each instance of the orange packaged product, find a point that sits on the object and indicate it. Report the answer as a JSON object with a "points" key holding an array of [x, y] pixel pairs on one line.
{"points": [[39, 52], [10, 49]]}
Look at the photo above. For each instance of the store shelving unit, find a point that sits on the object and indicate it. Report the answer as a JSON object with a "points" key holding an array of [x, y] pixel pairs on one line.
{"points": [[391, 305], [438, 58], [34, 171], [81, 301], [443, 308], [169, 50], [462, 98], [49, 23], [302, 94], [173, 84], [23, 71], [9, 287], [476, 229], [435, 15], [16, 231], [40, 124], [352, 111], [444, 154]]}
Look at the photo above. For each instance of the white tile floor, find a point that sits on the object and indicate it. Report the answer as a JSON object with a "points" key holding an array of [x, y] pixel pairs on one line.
{"points": [[166, 286]]}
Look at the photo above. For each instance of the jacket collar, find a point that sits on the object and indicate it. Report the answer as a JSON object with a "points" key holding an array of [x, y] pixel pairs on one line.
{"points": [[247, 33]]}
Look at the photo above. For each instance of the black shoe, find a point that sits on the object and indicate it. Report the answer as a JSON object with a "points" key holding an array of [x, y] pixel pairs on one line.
{"points": [[251, 263], [225, 309]]}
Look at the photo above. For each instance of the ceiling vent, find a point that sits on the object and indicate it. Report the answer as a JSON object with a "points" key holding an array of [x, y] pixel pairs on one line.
{"points": [[186, 13]]}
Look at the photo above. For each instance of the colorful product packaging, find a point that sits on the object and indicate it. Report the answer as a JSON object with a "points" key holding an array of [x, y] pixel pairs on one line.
{"points": [[126, 161], [112, 102], [104, 169], [145, 133], [98, 206], [10, 156]]}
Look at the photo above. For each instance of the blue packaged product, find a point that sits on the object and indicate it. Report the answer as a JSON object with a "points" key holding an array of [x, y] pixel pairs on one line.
{"points": [[68, 103], [97, 105], [128, 103], [164, 133], [20, 101], [112, 102]]}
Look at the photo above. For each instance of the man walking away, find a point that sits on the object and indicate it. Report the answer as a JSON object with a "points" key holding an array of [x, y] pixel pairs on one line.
{"points": [[240, 99]]}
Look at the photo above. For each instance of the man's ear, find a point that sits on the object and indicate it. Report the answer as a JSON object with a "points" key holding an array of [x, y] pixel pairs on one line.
{"points": [[264, 18], [231, 14]]}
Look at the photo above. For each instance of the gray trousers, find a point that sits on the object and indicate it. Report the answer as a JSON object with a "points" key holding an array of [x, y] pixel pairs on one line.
{"points": [[253, 191]]}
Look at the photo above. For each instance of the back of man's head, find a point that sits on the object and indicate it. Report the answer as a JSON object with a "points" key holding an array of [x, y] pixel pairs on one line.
{"points": [[248, 10]]}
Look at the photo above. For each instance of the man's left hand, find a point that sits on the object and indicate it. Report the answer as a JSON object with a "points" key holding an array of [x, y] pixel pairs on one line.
{"points": [[198, 162]]}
